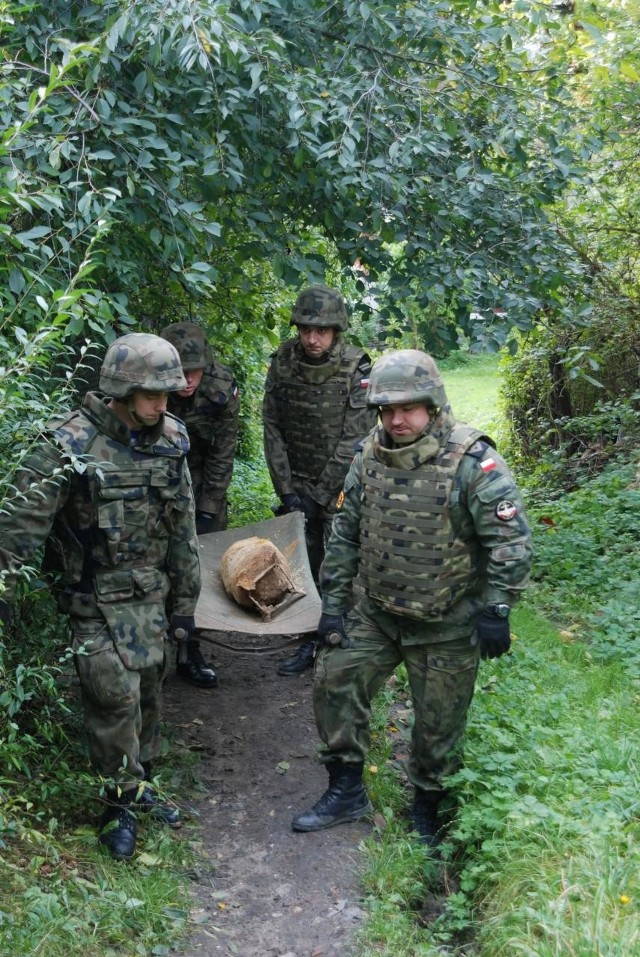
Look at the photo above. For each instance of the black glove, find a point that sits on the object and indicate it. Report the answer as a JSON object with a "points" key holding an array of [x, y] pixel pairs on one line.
{"points": [[291, 503], [206, 522], [331, 631], [310, 507], [181, 628], [493, 634], [6, 612]]}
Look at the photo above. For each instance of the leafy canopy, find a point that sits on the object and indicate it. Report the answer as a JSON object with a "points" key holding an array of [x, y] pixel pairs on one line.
{"points": [[195, 143]]}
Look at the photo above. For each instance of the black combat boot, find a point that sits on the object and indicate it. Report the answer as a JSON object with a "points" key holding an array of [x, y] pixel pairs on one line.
{"points": [[300, 661], [344, 800], [117, 829], [424, 816], [148, 801], [191, 666]]}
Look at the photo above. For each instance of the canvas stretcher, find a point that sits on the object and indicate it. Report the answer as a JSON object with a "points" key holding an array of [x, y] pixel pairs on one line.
{"points": [[217, 611]]}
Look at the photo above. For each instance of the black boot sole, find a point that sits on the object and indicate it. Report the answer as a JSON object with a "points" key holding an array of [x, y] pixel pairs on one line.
{"points": [[345, 818]]}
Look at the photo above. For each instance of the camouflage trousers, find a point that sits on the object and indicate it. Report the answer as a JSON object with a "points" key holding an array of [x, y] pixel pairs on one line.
{"points": [[122, 708], [441, 678]]}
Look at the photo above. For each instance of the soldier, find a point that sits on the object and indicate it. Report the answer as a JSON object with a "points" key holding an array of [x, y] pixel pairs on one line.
{"points": [[314, 415], [209, 407], [108, 489], [433, 523]]}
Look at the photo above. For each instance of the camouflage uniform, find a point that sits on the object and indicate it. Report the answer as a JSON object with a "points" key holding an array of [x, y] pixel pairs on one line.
{"points": [[436, 530], [211, 416], [314, 414], [428, 568], [115, 508]]}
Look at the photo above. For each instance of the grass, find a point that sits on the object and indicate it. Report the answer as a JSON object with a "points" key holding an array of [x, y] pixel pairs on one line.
{"points": [[543, 856], [473, 390]]}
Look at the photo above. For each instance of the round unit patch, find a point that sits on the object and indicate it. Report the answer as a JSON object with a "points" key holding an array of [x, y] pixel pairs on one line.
{"points": [[506, 510]]}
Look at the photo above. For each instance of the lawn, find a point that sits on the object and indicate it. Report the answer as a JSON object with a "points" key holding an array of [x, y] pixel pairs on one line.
{"points": [[473, 389]]}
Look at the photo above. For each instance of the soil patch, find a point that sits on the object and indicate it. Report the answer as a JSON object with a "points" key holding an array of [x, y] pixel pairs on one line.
{"points": [[262, 890]]}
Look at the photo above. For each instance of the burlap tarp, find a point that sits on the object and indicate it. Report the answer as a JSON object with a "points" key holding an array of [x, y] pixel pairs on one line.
{"points": [[216, 611]]}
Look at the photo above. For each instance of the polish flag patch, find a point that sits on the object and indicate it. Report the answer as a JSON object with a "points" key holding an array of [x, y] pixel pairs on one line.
{"points": [[488, 465], [364, 383]]}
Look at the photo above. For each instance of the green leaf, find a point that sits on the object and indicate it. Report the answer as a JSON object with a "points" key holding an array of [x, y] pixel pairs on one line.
{"points": [[16, 281], [36, 232]]}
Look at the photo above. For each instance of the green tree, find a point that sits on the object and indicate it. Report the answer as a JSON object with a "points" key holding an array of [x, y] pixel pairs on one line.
{"points": [[200, 141], [575, 390]]}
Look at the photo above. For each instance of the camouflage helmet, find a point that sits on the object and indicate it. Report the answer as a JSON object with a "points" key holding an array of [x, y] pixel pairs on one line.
{"points": [[405, 376], [320, 306], [191, 342], [141, 361]]}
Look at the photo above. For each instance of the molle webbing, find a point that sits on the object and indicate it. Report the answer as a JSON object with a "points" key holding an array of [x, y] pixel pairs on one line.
{"points": [[311, 403], [411, 560]]}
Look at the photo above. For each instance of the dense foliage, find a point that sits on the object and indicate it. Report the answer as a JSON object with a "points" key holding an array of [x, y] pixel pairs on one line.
{"points": [[573, 393], [199, 151]]}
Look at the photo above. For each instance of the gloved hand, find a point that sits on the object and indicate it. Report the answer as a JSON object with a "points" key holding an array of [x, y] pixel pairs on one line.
{"points": [[310, 507], [493, 634], [291, 503], [206, 522], [331, 631], [6, 612], [181, 628]]}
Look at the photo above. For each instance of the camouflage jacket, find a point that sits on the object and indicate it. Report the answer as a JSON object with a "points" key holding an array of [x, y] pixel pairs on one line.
{"points": [[468, 540], [116, 511], [314, 415], [211, 416]]}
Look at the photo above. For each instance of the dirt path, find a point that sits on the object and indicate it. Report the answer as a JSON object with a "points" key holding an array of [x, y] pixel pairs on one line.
{"points": [[265, 891]]}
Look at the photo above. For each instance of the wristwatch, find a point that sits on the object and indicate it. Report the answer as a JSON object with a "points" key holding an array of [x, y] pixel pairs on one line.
{"points": [[500, 611]]}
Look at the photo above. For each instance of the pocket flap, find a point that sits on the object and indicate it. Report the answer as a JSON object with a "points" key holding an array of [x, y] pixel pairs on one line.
{"points": [[148, 580], [114, 585]]}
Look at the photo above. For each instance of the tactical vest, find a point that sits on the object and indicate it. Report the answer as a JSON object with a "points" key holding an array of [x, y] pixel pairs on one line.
{"points": [[112, 534], [412, 560], [311, 401]]}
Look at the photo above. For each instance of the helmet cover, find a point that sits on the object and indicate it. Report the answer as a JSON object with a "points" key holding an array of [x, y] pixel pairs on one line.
{"points": [[191, 342], [403, 377], [320, 306], [140, 360]]}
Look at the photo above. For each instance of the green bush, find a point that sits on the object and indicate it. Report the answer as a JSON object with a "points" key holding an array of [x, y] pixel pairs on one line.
{"points": [[571, 400]]}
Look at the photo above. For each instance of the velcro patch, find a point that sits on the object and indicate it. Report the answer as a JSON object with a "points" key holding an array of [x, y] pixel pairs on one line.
{"points": [[506, 510], [488, 465]]}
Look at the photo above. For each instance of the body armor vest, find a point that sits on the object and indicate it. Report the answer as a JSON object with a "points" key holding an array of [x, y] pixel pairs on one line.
{"points": [[112, 534], [311, 402], [412, 560]]}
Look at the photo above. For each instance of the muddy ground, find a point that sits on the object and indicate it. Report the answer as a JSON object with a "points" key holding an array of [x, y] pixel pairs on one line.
{"points": [[262, 890]]}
